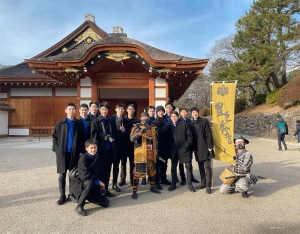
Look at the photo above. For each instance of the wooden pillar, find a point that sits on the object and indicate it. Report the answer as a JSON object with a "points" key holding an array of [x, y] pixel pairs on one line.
{"points": [[151, 91], [94, 89]]}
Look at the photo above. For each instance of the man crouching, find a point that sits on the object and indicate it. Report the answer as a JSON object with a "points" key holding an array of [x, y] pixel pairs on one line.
{"points": [[87, 186], [243, 162]]}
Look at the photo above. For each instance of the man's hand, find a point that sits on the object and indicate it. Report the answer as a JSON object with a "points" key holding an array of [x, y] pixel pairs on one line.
{"points": [[102, 186], [234, 157], [122, 129]]}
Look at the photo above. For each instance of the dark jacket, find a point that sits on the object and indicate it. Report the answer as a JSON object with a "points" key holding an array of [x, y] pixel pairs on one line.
{"points": [[203, 139], [85, 172], [285, 124], [59, 137], [163, 137], [297, 131], [87, 131], [121, 136], [182, 141], [129, 146], [98, 134]]}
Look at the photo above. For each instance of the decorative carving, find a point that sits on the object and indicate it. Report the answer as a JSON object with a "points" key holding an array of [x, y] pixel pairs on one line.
{"points": [[118, 56], [89, 17], [117, 29], [64, 49], [164, 70], [71, 69], [86, 34]]}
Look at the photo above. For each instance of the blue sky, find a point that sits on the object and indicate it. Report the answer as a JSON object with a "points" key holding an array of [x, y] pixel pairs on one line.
{"points": [[188, 28]]}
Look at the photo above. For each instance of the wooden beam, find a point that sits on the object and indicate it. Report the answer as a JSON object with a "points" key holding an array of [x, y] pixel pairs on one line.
{"points": [[94, 89], [151, 91]]}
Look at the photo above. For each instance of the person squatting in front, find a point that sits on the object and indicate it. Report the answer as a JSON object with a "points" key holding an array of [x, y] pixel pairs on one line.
{"points": [[181, 143], [145, 146], [88, 185], [68, 142], [241, 168]]}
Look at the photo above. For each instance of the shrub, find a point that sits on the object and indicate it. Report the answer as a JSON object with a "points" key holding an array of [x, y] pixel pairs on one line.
{"points": [[289, 94], [272, 97], [240, 104], [203, 112], [259, 99]]}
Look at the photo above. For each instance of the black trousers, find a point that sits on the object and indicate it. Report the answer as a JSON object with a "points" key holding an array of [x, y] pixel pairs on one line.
{"points": [[205, 172], [62, 176], [110, 161], [281, 137], [123, 168], [97, 198], [188, 167], [87, 188]]}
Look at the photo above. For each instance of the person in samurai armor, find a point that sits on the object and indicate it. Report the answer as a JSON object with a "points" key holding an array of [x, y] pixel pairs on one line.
{"points": [[241, 169], [145, 147]]}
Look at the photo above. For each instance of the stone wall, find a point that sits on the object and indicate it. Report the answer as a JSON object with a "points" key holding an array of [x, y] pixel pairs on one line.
{"points": [[264, 124]]}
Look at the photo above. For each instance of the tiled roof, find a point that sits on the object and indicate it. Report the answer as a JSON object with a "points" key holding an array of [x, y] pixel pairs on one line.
{"points": [[153, 52], [19, 71]]}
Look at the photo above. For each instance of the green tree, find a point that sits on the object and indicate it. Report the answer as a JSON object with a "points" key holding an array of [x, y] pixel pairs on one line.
{"points": [[269, 38]]}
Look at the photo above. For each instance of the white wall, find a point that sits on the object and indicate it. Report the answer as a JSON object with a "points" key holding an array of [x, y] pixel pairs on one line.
{"points": [[19, 131], [3, 122], [66, 92], [124, 93], [23, 92]]}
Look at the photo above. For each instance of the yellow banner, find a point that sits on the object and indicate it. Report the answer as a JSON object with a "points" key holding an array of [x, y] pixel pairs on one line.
{"points": [[222, 109]]}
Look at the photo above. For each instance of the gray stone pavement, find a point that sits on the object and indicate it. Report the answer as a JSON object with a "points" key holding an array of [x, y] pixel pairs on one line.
{"points": [[29, 191]]}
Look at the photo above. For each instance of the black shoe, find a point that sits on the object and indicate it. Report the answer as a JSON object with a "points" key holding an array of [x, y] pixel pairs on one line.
{"points": [[143, 181], [201, 186], [81, 211], [72, 198], [158, 186], [154, 190], [183, 182], [61, 200], [134, 195], [279, 149], [194, 180], [285, 148], [109, 194], [122, 183], [191, 188], [116, 188], [245, 195], [165, 181], [208, 190], [171, 188], [177, 180]]}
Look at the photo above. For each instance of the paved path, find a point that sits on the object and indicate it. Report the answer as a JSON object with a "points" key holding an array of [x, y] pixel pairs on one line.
{"points": [[29, 191]]}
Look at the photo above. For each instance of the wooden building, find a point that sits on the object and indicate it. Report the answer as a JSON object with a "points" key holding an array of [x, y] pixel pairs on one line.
{"points": [[90, 64]]}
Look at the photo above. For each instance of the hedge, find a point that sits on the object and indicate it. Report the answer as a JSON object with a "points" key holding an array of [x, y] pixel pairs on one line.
{"points": [[289, 94]]}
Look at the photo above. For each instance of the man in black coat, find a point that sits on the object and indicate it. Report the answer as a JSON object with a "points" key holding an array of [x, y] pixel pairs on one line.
{"points": [[88, 185], [129, 121], [94, 110], [181, 143], [86, 120], [68, 143], [203, 147], [104, 131], [297, 131], [163, 139]]}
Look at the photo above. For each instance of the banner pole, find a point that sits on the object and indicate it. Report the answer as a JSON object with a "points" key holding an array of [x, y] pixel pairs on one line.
{"points": [[211, 161]]}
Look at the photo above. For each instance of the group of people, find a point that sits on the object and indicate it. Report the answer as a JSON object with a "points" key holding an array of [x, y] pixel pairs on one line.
{"points": [[94, 145]]}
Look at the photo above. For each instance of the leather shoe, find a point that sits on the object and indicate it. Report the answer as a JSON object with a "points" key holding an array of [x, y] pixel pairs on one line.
{"points": [[134, 195], [245, 195], [154, 190], [183, 182], [171, 188], [191, 188], [72, 198], [61, 200], [208, 190], [194, 180], [177, 180], [165, 181], [143, 181], [109, 194], [158, 186], [81, 211], [201, 186], [116, 188], [122, 183]]}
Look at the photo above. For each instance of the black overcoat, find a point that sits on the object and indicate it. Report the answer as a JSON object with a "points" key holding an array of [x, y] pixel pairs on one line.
{"points": [[59, 137], [98, 134], [182, 142], [203, 139], [163, 137], [297, 131], [86, 172], [129, 146]]}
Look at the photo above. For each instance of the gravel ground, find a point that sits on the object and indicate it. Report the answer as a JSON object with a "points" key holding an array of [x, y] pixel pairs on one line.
{"points": [[30, 191]]}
